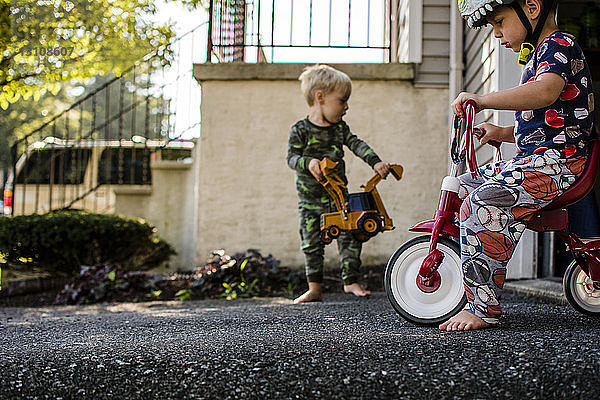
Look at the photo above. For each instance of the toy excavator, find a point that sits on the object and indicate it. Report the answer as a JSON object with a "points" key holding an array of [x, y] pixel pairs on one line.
{"points": [[363, 214]]}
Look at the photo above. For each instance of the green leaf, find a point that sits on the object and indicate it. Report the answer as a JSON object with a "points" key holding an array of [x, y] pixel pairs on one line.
{"points": [[111, 275], [183, 294]]}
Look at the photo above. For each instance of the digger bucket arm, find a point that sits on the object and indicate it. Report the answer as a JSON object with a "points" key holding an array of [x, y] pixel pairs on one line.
{"points": [[396, 171], [333, 184]]}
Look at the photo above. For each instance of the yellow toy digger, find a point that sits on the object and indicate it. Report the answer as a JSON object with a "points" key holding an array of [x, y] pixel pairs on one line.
{"points": [[363, 214]]}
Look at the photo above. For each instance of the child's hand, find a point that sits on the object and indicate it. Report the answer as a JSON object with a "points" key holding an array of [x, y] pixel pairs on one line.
{"points": [[461, 99], [315, 169], [492, 133], [382, 168]]}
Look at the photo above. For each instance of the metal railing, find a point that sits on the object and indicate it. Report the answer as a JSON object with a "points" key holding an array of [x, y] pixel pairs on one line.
{"points": [[109, 136], [300, 31], [153, 103]]}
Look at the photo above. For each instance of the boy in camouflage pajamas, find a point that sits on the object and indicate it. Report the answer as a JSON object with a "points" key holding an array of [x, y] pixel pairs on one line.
{"points": [[323, 134]]}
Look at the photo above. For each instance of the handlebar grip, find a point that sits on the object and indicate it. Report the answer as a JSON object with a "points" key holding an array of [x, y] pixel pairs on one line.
{"points": [[480, 132], [469, 102], [494, 143]]}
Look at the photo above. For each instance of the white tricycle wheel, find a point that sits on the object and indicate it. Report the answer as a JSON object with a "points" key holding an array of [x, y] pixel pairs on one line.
{"points": [[580, 290], [412, 303]]}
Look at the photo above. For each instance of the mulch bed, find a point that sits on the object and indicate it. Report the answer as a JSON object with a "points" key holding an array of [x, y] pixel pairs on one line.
{"points": [[246, 274]]}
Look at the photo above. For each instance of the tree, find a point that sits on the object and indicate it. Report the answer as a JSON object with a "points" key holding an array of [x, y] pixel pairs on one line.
{"points": [[50, 42], [90, 41]]}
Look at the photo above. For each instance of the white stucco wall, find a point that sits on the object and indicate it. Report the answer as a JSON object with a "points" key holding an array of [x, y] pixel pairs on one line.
{"points": [[169, 205], [246, 192]]}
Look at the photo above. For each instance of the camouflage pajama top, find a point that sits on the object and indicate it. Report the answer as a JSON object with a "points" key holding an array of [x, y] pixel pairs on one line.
{"points": [[308, 141]]}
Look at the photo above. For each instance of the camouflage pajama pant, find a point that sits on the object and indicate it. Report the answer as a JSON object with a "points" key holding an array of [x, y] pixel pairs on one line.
{"points": [[348, 248], [494, 213]]}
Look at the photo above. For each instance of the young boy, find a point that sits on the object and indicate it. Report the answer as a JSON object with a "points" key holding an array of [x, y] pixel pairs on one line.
{"points": [[553, 121], [322, 134]]}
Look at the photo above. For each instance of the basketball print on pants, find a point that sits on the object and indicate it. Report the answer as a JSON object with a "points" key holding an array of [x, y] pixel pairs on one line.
{"points": [[465, 210], [524, 212], [495, 245], [576, 165], [493, 216], [499, 276], [540, 185]]}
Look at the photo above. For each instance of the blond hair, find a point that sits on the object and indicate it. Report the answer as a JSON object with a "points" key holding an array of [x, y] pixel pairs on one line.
{"points": [[325, 78]]}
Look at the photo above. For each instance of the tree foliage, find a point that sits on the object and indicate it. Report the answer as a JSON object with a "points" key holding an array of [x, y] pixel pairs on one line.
{"points": [[47, 42], [24, 116]]}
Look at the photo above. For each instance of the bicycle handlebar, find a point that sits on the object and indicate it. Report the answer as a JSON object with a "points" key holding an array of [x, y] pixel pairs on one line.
{"points": [[467, 147]]}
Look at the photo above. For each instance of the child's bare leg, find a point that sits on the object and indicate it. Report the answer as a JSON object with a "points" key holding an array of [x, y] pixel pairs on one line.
{"points": [[357, 290], [314, 293], [464, 321]]}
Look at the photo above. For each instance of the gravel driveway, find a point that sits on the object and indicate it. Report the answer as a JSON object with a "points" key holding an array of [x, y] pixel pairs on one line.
{"points": [[342, 348]]}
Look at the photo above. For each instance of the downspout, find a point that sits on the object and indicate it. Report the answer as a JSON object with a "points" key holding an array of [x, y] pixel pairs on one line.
{"points": [[394, 30], [455, 79], [456, 52]]}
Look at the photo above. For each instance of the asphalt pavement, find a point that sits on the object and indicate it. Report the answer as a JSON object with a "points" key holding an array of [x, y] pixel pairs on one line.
{"points": [[342, 348]]}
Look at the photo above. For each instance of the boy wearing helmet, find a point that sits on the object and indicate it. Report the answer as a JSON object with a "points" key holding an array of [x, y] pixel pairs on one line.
{"points": [[553, 121]]}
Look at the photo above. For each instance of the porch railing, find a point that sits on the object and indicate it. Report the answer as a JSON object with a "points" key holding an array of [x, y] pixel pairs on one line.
{"points": [[121, 125], [300, 31]]}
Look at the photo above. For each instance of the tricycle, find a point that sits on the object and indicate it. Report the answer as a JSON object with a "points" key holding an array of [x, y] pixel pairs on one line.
{"points": [[424, 277]]}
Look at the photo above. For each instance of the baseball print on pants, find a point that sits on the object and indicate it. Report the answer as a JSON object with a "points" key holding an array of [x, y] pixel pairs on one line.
{"points": [[495, 211]]}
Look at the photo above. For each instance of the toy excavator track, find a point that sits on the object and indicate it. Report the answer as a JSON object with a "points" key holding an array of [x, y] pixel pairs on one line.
{"points": [[362, 214]]}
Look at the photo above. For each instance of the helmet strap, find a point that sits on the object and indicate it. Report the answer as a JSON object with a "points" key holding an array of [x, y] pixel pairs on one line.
{"points": [[528, 46]]}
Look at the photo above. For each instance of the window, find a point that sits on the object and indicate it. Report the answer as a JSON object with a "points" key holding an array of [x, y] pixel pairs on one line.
{"points": [[362, 201], [125, 166], [66, 165]]}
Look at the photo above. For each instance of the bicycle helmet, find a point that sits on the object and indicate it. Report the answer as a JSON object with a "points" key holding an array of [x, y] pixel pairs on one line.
{"points": [[475, 11]]}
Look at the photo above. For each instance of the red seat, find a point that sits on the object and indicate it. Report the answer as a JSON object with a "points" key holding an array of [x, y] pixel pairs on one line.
{"points": [[553, 217], [584, 184]]}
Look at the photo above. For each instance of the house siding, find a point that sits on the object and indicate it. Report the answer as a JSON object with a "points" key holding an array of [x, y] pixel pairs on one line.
{"points": [[435, 65]]}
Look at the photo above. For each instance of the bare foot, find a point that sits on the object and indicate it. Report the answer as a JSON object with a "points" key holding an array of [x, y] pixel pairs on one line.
{"points": [[464, 321], [313, 293], [357, 290]]}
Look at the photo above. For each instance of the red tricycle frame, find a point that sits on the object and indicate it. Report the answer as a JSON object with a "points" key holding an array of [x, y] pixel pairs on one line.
{"points": [[421, 264]]}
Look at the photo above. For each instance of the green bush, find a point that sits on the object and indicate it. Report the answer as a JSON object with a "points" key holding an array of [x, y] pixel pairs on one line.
{"points": [[61, 242]]}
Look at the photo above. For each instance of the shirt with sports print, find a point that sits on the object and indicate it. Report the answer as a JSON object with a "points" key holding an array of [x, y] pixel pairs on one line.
{"points": [[566, 124]]}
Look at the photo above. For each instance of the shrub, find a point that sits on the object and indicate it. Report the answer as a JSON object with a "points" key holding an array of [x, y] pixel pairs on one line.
{"points": [[107, 283], [61, 242], [244, 274]]}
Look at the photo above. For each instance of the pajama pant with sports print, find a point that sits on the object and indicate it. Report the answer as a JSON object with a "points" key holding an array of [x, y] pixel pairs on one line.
{"points": [[496, 209]]}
